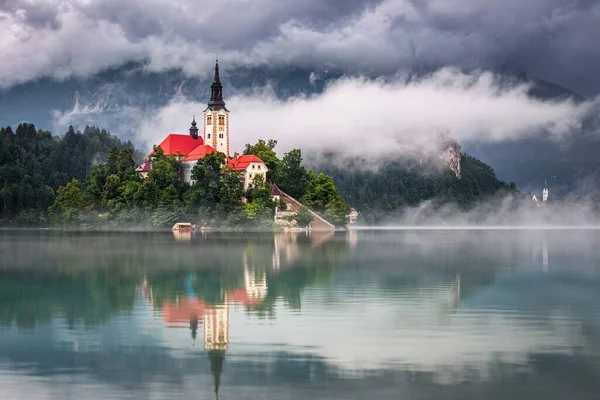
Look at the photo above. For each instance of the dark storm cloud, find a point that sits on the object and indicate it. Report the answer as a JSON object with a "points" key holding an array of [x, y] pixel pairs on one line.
{"points": [[230, 24], [551, 39], [33, 13]]}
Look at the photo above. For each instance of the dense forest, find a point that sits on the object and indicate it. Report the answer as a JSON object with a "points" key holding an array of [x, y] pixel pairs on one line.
{"points": [[34, 164], [88, 179], [386, 189], [113, 194]]}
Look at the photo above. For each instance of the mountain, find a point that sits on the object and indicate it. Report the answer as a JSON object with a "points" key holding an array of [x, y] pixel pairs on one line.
{"points": [[114, 99], [106, 98]]}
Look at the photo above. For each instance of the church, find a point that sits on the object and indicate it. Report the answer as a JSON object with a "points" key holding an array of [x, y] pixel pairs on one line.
{"points": [[189, 148], [545, 193]]}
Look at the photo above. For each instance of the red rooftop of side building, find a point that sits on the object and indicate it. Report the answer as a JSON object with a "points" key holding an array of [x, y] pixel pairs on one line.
{"points": [[240, 163]]}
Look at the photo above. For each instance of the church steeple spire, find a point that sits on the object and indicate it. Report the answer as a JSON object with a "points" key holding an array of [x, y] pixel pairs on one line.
{"points": [[216, 92], [216, 117], [216, 368]]}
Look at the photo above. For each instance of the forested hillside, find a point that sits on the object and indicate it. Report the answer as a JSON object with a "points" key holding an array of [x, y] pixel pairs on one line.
{"points": [[387, 188], [34, 163], [88, 178]]}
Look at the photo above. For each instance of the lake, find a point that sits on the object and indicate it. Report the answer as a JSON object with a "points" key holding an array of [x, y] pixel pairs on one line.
{"points": [[354, 315]]}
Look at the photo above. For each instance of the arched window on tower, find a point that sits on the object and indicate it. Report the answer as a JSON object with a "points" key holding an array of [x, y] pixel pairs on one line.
{"points": [[209, 120], [221, 122]]}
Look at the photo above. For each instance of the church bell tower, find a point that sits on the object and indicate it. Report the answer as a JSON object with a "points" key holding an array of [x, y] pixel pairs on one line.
{"points": [[216, 117]]}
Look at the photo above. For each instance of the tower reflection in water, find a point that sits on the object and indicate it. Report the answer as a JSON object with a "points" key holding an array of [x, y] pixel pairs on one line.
{"points": [[195, 310]]}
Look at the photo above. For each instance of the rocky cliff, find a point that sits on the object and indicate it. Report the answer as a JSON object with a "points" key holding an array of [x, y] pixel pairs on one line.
{"points": [[450, 154]]}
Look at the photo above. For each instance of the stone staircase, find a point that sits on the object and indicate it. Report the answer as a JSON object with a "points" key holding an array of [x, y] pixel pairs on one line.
{"points": [[285, 218]]}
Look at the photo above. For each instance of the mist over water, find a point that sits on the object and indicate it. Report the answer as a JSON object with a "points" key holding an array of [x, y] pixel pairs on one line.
{"points": [[434, 314], [503, 212]]}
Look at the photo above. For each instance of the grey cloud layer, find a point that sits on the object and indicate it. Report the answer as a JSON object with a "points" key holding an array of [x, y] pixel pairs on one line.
{"points": [[552, 39]]}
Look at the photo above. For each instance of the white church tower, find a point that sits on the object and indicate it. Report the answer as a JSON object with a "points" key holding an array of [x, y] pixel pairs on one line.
{"points": [[216, 327], [216, 118], [545, 191]]}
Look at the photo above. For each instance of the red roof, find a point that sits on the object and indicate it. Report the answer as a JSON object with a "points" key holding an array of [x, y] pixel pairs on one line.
{"points": [[240, 296], [183, 311], [176, 143], [145, 167], [200, 152], [240, 163]]}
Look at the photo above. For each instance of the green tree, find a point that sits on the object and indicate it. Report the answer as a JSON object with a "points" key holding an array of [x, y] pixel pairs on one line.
{"points": [[304, 217], [70, 205], [111, 189], [260, 208], [231, 192], [260, 192], [324, 198], [166, 170], [260, 146], [293, 177], [148, 195], [34, 163], [207, 177], [120, 162]]}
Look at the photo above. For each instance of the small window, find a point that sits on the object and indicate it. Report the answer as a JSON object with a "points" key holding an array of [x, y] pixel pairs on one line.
{"points": [[220, 136], [221, 120], [259, 167], [208, 135], [253, 166], [209, 120]]}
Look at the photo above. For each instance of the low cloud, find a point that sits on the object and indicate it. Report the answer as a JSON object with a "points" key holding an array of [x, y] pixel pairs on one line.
{"points": [[503, 212], [362, 117]]}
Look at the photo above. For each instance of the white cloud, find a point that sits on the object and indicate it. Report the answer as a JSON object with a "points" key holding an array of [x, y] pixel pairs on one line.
{"points": [[377, 118]]}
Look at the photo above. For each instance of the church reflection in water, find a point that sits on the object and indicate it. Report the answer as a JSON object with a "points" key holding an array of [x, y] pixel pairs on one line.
{"points": [[274, 268], [191, 311]]}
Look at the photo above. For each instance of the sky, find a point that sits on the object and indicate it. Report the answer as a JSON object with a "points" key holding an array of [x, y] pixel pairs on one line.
{"points": [[554, 40], [462, 45]]}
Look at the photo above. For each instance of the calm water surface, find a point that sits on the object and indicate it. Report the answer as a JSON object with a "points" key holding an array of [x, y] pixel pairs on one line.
{"points": [[358, 315]]}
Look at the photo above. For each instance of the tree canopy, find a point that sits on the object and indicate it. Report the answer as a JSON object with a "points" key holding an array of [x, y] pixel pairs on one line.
{"points": [[33, 164], [89, 178], [394, 185]]}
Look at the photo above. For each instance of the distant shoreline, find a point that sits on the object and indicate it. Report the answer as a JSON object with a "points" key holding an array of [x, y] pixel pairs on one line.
{"points": [[399, 228]]}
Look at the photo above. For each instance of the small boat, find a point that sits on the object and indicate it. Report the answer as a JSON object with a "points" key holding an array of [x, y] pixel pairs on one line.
{"points": [[182, 227]]}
